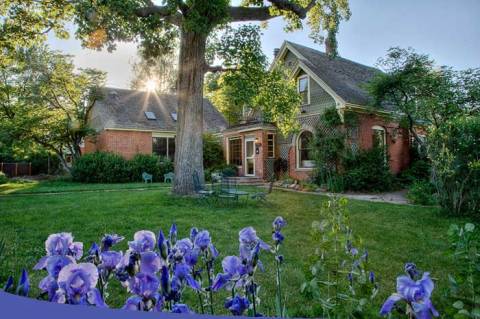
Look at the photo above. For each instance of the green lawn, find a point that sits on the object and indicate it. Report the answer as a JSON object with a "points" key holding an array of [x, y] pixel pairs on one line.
{"points": [[54, 186], [394, 234]]}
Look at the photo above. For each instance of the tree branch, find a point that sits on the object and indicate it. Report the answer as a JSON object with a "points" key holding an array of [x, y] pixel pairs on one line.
{"points": [[218, 68], [263, 13], [162, 11]]}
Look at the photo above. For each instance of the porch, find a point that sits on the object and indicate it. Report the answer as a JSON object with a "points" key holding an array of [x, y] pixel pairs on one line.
{"points": [[252, 148]]}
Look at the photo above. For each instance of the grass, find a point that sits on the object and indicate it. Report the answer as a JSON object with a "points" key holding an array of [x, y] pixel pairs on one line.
{"points": [[60, 186], [394, 234]]}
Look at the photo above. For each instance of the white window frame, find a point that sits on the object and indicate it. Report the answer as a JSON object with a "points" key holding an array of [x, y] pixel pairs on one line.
{"points": [[380, 128], [297, 152], [305, 76]]}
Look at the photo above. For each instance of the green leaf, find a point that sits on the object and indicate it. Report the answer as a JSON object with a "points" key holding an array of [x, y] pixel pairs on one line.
{"points": [[469, 227], [458, 304]]}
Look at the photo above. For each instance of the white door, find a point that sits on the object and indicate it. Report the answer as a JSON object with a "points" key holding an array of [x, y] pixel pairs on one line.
{"points": [[250, 156]]}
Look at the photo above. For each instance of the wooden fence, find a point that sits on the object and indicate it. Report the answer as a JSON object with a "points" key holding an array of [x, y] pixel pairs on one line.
{"points": [[16, 169]]}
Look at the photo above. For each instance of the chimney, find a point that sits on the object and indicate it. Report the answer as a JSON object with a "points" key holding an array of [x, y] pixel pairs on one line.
{"points": [[276, 51]]}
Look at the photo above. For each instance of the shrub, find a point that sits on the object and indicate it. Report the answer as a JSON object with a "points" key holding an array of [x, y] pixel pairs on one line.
{"points": [[422, 193], [229, 170], [419, 170], [212, 152], [280, 167], [101, 167], [367, 170], [151, 164], [3, 178], [455, 153]]}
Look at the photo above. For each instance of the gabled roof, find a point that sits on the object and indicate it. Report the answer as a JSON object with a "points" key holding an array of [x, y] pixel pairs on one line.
{"points": [[343, 76], [125, 109]]}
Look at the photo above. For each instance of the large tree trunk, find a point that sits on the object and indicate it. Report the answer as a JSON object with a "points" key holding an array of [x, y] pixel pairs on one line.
{"points": [[189, 144]]}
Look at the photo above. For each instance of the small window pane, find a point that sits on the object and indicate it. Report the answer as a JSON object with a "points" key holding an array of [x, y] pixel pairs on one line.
{"points": [[270, 145], [160, 146], [304, 150], [150, 115], [235, 151]]}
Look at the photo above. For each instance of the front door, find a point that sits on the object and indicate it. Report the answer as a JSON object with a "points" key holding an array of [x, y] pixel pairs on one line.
{"points": [[250, 156]]}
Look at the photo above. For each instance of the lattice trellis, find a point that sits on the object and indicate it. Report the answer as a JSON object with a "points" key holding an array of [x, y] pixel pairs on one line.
{"points": [[269, 168]]}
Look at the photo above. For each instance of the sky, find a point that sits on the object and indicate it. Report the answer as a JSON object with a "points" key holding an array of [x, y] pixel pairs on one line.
{"points": [[447, 30]]}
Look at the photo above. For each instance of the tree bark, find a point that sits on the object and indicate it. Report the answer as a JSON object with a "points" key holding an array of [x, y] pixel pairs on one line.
{"points": [[189, 143]]}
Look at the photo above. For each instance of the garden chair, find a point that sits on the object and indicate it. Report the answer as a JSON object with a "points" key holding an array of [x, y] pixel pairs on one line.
{"points": [[262, 196], [169, 177], [200, 189], [147, 177]]}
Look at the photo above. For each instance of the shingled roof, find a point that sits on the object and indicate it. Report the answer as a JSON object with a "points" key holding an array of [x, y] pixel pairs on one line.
{"points": [[125, 109], [346, 78]]}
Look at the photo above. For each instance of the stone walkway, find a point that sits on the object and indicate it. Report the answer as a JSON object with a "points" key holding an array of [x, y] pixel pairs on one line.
{"points": [[398, 197]]}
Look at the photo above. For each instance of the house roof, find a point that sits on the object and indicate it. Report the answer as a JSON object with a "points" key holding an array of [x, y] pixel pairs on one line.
{"points": [[346, 78], [125, 109]]}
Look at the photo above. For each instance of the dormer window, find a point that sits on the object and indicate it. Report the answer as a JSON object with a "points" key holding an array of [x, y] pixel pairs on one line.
{"points": [[303, 86], [150, 116]]}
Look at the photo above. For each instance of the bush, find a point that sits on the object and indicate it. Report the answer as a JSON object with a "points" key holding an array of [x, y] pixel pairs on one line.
{"points": [[101, 167], [280, 167], [422, 193], [419, 170], [3, 178], [212, 152], [151, 164], [455, 153], [367, 170]]}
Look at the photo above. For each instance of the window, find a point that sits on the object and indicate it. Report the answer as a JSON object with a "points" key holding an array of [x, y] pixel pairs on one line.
{"points": [[174, 116], [164, 146], [150, 116], [235, 151], [270, 145], [304, 150], [378, 137], [303, 88]]}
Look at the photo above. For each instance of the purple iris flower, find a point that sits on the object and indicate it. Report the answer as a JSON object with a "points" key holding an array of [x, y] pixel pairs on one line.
{"points": [[23, 287], [411, 270], [416, 293], [213, 251], [49, 286], [277, 237], [77, 284], [137, 303], [144, 284], [183, 272], [183, 246], [233, 270], [181, 308], [237, 305], [202, 240], [191, 257], [56, 263], [371, 277], [94, 250], [143, 241], [58, 244], [354, 251], [193, 233], [279, 223], [248, 237], [109, 240], [110, 260], [162, 245], [172, 236], [9, 284], [150, 262]]}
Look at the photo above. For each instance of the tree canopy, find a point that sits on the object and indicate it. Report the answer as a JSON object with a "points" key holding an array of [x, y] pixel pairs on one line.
{"points": [[44, 100], [422, 93]]}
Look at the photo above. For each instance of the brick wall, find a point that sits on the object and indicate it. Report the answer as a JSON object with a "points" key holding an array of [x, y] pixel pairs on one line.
{"points": [[124, 143], [397, 139]]}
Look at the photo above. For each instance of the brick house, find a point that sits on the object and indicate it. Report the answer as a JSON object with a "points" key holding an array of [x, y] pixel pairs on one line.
{"points": [[323, 83], [128, 122]]}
